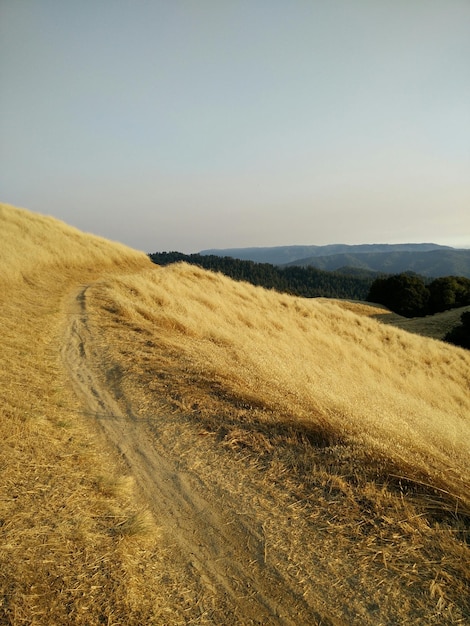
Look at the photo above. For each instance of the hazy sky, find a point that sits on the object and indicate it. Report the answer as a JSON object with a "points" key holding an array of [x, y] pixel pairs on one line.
{"points": [[191, 124]]}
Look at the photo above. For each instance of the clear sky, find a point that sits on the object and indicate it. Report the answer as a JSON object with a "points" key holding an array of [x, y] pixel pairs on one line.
{"points": [[192, 124]]}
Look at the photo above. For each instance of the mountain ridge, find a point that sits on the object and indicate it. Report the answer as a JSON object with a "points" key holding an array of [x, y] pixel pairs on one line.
{"points": [[427, 259], [430, 263], [299, 251]]}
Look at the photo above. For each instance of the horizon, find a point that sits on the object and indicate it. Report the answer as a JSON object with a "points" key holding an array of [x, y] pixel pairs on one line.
{"points": [[240, 247], [193, 126], [340, 243]]}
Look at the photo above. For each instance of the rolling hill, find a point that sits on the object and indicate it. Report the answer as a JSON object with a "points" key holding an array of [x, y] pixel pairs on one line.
{"points": [[179, 448], [432, 263], [429, 260], [282, 255]]}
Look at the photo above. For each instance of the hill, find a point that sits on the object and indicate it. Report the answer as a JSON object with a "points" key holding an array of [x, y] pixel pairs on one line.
{"points": [[429, 260], [282, 255], [432, 263], [178, 447], [307, 282]]}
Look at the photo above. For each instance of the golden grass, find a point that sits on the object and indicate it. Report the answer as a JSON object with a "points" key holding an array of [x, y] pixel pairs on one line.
{"points": [[33, 243], [357, 306], [70, 520], [436, 326], [366, 425], [402, 397], [361, 432]]}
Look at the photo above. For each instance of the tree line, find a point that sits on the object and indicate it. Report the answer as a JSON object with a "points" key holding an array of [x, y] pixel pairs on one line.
{"points": [[409, 295], [307, 282], [460, 334]]}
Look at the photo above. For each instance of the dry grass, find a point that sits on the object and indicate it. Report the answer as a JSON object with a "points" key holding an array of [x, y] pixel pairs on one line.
{"points": [[366, 425], [357, 433], [436, 326], [398, 396], [71, 523], [33, 244]]}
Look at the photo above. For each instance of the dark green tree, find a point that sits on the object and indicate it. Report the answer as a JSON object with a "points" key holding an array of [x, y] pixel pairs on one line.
{"points": [[460, 335], [405, 294], [448, 292], [308, 282]]}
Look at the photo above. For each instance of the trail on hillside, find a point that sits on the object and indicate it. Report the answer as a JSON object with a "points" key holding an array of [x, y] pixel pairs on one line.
{"points": [[224, 551]]}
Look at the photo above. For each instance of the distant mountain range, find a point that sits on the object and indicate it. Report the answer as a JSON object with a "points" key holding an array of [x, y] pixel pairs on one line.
{"points": [[427, 259]]}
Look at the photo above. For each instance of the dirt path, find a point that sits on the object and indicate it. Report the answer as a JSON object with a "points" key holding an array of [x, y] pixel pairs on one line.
{"points": [[224, 551]]}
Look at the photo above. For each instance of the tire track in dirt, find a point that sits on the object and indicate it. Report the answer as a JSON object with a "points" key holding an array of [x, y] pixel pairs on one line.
{"points": [[222, 549]]}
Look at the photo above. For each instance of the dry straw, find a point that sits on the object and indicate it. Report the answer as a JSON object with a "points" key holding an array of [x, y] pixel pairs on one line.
{"points": [[401, 397], [367, 425]]}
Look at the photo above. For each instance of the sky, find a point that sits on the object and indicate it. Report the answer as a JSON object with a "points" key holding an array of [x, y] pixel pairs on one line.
{"points": [[194, 124]]}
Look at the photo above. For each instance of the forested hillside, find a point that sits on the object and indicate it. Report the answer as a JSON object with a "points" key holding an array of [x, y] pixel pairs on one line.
{"points": [[430, 263], [282, 255], [427, 259], [307, 282]]}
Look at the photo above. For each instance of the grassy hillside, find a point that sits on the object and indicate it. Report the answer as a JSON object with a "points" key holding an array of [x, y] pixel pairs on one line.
{"points": [[64, 493], [292, 356], [340, 446], [436, 326], [332, 402]]}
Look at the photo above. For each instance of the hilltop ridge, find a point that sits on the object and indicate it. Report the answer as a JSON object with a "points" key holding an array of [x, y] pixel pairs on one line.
{"points": [[427, 259]]}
